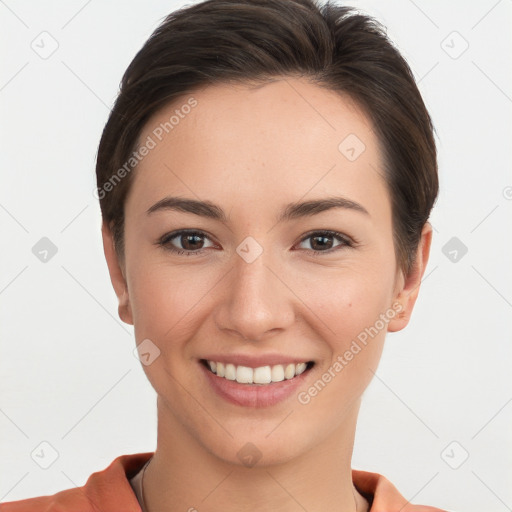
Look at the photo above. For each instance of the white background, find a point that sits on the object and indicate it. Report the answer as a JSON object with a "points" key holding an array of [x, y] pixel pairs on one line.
{"points": [[68, 374]]}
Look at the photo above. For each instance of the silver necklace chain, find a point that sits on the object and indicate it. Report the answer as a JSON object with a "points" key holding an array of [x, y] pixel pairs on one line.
{"points": [[143, 504]]}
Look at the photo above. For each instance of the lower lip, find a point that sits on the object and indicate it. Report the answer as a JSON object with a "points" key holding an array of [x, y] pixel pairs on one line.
{"points": [[254, 395]]}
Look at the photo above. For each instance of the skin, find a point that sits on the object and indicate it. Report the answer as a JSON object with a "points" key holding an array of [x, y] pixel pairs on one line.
{"points": [[253, 150]]}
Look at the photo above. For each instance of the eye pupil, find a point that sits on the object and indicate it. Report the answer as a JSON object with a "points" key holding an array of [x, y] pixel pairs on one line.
{"points": [[187, 237], [322, 245]]}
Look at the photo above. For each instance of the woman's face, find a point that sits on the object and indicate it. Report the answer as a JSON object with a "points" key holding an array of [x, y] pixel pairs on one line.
{"points": [[259, 280]]}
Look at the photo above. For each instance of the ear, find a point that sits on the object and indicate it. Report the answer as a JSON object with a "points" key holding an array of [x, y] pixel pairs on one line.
{"points": [[116, 275], [410, 285]]}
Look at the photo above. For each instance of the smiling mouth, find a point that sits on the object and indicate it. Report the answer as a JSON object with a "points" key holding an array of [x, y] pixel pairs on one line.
{"points": [[262, 375]]}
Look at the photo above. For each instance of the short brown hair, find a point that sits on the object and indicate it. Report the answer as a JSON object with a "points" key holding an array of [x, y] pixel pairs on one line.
{"points": [[220, 41]]}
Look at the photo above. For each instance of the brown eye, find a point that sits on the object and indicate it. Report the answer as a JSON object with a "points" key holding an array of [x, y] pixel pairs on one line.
{"points": [[190, 242], [185, 242], [322, 241]]}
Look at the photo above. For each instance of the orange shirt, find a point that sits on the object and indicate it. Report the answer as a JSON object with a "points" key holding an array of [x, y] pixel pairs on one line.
{"points": [[110, 491]]}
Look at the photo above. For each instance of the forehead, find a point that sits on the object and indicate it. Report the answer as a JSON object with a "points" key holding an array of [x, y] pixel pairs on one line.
{"points": [[289, 135]]}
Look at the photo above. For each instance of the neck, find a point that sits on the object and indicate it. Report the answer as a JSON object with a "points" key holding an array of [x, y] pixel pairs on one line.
{"points": [[184, 475]]}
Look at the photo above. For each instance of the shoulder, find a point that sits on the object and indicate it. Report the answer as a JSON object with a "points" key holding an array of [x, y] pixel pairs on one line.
{"points": [[68, 500], [383, 496], [104, 491]]}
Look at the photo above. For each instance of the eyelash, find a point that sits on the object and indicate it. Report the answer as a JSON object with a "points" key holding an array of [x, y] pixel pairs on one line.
{"points": [[165, 241]]}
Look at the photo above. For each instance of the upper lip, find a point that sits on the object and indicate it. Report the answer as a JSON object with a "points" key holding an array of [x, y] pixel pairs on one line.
{"points": [[256, 361]]}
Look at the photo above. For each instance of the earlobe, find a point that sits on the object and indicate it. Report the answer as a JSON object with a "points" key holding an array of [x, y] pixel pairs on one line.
{"points": [[408, 293], [117, 276]]}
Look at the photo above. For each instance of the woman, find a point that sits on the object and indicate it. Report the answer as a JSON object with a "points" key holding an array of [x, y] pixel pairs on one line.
{"points": [[265, 180]]}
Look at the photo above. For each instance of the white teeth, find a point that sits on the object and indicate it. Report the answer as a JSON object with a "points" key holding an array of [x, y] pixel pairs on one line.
{"points": [[230, 372], [300, 368], [244, 375], [289, 372], [277, 373], [260, 375]]}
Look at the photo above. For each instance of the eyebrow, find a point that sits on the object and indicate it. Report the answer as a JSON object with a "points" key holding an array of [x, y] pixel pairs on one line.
{"points": [[290, 212]]}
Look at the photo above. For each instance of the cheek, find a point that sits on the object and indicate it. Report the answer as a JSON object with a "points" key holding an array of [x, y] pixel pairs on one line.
{"points": [[166, 305], [354, 315], [350, 303], [354, 334], [164, 301]]}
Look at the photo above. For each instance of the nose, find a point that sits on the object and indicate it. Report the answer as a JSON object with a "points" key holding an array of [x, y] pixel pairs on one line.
{"points": [[256, 301]]}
